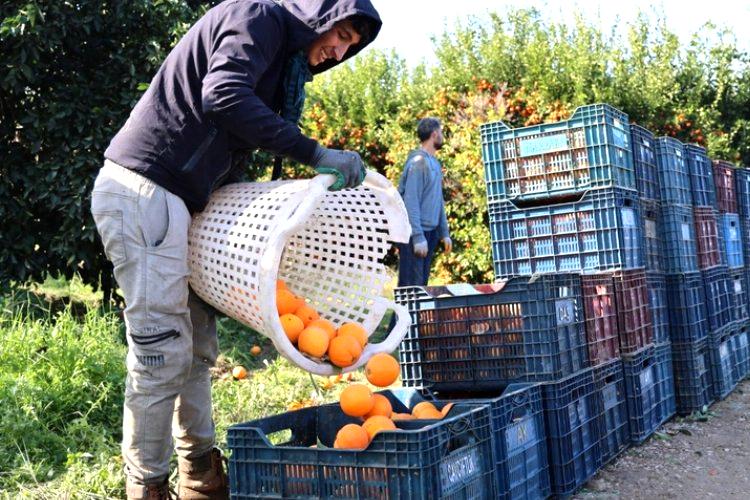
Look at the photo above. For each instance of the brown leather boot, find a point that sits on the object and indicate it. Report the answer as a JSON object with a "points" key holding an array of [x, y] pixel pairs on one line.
{"points": [[203, 477], [158, 491]]}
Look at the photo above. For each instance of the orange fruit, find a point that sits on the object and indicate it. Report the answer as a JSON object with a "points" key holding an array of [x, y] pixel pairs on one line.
{"points": [[307, 314], [444, 411], [382, 370], [325, 325], [355, 330], [239, 372], [381, 407], [313, 341], [421, 407], [428, 413], [343, 351], [292, 326], [287, 302], [378, 423], [255, 350], [352, 436], [402, 416], [280, 285], [356, 400]]}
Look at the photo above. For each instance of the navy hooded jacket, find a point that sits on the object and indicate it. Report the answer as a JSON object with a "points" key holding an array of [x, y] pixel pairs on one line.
{"points": [[220, 89]]}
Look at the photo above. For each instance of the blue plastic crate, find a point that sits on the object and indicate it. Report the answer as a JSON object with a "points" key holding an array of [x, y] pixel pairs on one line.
{"points": [[664, 370], [644, 162], [692, 376], [721, 356], [597, 233], [653, 251], [686, 301], [572, 419], [590, 150], [719, 304], [741, 351], [702, 186], [643, 396], [732, 239], [614, 428], [738, 287], [674, 178], [656, 284], [483, 337], [519, 438], [745, 227], [680, 250], [742, 180], [449, 458]]}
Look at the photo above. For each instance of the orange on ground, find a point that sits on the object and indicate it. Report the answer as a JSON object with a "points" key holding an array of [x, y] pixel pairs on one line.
{"points": [[382, 370], [378, 423], [356, 400], [344, 351], [313, 341], [352, 436], [239, 372], [325, 325], [287, 302], [255, 350], [292, 326], [356, 330], [381, 407], [420, 407], [280, 285], [307, 314]]}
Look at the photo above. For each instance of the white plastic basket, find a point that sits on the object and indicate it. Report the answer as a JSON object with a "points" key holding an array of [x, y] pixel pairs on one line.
{"points": [[327, 246]]}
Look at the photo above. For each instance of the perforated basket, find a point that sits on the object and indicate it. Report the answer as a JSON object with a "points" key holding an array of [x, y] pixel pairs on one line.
{"points": [[327, 246]]}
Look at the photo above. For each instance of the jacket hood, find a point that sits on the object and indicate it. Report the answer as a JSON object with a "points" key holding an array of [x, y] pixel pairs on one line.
{"points": [[318, 16]]}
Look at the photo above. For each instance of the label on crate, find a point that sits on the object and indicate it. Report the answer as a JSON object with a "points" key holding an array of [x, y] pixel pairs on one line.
{"points": [[724, 351], [651, 229], [647, 378], [609, 394], [566, 311], [520, 435], [628, 217], [686, 232], [743, 340], [458, 468], [545, 144], [738, 286], [733, 233]]}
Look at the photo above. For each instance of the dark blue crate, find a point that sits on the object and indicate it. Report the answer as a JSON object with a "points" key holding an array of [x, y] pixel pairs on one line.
{"points": [[653, 248], [642, 394], [692, 376], [674, 178], [702, 186], [664, 370], [742, 180], [719, 305], [721, 357], [745, 227], [449, 458], [686, 300], [732, 239], [680, 250], [519, 439], [483, 337], [738, 288], [741, 352], [644, 162], [572, 419], [590, 150], [657, 294], [614, 428], [600, 232]]}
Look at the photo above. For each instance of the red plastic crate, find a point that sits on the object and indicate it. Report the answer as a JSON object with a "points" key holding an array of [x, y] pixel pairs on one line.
{"points": [[634, 322], [706, 237], [726, 189], [600, 310]]}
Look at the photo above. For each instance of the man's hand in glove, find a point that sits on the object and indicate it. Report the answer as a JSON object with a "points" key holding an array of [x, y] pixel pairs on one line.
{"points": [[347, 166]]}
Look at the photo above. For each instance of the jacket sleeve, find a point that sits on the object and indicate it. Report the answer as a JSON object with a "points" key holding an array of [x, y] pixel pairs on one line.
{"points": [[416, 177], [245, 45]]}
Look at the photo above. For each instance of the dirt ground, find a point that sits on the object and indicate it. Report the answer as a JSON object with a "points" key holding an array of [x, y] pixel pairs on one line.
{"points": [[688, 458]]}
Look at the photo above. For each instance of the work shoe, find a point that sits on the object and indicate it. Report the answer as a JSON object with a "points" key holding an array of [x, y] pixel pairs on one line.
{"points": [[157, 491], [203, 477]]}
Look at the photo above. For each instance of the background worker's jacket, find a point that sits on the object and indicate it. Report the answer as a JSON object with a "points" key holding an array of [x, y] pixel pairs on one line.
{"points": [[219, 91]]}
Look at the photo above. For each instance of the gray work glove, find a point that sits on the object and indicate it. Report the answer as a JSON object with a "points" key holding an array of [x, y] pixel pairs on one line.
{"points": [[420, 249], [347, 166]]}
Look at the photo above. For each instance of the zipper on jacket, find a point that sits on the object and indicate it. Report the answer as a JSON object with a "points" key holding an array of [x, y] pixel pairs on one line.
{"points": [[193, 161]]}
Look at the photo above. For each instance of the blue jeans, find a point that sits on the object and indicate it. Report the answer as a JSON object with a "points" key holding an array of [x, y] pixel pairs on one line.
{"points": [[413, 270]]}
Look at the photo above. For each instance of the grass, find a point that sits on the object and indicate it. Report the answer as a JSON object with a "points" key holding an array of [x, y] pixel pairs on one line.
{"points": [[62, 383]]}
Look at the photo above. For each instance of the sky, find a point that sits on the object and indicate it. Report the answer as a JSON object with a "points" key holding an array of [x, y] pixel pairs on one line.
{"points": [[408, 25]]}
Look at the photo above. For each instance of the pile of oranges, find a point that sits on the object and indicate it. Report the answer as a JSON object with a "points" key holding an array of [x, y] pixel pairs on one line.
{"points": [[315, 336]]}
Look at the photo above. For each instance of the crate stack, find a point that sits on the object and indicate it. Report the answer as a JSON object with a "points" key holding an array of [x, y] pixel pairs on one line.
{"points": [[740, 341]]}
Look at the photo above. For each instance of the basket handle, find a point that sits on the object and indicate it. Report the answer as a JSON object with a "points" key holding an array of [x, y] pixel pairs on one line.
{"points": [[391, 342]]}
